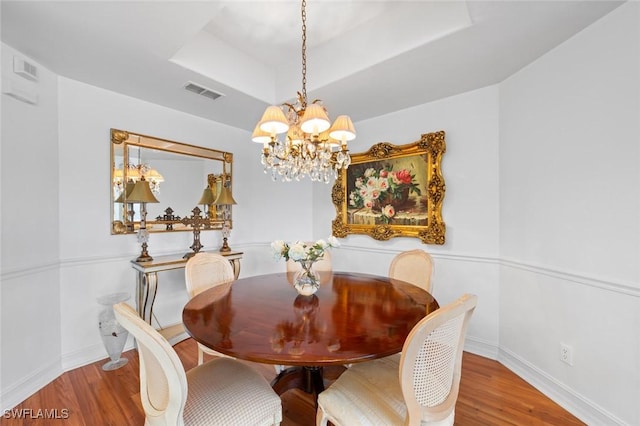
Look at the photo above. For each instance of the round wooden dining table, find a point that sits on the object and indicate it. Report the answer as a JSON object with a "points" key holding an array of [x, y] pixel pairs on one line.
{"points": [[352, 318]]}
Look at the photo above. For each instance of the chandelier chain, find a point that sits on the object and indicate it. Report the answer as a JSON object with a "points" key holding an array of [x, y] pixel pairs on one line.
{"points": [[313, 149], [304, 54]]}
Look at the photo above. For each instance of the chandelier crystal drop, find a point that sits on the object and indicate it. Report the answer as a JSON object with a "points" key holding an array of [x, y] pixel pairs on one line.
{"points": [[311, 145]]}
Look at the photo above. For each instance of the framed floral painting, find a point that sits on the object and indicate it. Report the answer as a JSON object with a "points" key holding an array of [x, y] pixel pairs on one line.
{"points": [[393, 191]]}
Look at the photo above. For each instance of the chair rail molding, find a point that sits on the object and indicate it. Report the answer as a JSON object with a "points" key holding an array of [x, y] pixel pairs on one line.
{"points": [[602, 284]]}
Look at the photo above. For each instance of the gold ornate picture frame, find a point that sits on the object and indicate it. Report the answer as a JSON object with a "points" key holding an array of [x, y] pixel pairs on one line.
{"points": [[393, 191]]}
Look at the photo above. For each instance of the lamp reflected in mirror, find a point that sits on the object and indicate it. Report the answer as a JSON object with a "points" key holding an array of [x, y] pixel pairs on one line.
{"points": [[207, 199], [141, 193], [224, 201]]}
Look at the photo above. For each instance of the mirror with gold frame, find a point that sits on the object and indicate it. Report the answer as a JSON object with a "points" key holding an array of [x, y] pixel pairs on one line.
{"points": [[393, 191], [179, 175]]}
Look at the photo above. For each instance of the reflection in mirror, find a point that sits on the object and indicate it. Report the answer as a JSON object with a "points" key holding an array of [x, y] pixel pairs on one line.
{"points": [[177, 174]]}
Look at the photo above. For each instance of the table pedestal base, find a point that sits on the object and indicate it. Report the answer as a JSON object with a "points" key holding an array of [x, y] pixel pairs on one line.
{"points": [[309, 379]]}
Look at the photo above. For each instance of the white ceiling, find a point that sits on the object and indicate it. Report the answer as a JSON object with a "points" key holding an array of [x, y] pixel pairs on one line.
{"points": [[364, 58]]}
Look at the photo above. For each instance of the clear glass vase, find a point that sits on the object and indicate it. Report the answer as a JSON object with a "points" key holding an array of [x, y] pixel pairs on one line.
{"points": [[114, 336], [306, 280]]}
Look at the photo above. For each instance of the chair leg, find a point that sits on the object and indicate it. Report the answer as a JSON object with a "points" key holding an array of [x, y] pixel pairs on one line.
{"points": [[321, 419]]}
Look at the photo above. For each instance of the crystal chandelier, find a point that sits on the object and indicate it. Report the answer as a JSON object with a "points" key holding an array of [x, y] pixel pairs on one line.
{"points": [[310, 144]]}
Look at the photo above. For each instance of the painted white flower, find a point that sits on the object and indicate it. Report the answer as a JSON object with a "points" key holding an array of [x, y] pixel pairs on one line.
{"points": [[369, 172], [297, 251], [388, 211], [383, 184]]}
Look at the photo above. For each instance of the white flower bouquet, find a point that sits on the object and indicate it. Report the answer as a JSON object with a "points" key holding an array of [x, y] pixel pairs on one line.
{"points": [[301, 251]]}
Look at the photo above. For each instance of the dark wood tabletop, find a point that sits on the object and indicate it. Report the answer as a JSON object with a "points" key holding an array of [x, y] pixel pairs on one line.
{"points": [[353, 317]]}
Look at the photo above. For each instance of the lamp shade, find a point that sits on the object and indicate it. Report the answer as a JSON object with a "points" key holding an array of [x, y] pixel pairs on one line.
{"points": [[154, 175], [324, 137], [126, 193], [141, 193], [343, 129], [273, 121], [260, 136], [315, 119], [132, 172], [207, 196], [225, 197]]}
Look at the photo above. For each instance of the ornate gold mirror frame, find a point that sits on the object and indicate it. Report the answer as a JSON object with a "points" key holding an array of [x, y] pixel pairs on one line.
{"points": [[393, 191], [178, 174]]}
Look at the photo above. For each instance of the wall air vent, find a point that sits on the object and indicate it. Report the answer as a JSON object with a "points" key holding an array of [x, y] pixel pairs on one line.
{"points": [[25, 69], [202, 91]]}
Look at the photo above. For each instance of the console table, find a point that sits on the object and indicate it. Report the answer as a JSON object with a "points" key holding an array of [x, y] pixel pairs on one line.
{"points": [[147, 277]]}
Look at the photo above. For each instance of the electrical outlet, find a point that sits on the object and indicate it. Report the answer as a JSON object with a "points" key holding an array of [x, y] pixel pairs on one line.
{"points": [[566, 353]]}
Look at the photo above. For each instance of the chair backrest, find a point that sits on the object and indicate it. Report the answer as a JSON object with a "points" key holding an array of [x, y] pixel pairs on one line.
{"points": [[163, 381], [206, 270], [323, 264], [431, 361], [413, 266]]}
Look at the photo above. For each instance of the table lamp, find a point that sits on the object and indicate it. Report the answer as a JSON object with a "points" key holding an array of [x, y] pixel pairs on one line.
{"points": [[225, 199], [206, 200], [141, 193]]}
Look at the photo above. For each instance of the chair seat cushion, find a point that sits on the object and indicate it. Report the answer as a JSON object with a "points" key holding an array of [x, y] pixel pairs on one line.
{"points": [[221, 389], [368, 393]]}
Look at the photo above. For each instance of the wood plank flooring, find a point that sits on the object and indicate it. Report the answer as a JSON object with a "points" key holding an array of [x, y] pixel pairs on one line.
{"points": [[490, 394]]}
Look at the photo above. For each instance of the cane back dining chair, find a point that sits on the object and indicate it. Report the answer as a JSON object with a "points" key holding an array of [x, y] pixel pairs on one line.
{"points": [[223, 391], [421, 387], [413, 266], [203, 271]]}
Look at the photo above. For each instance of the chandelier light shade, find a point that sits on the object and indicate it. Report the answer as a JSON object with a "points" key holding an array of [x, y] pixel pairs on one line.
{"points": [[298, 139], [134, 172], [342, 129], [314, 120], [260, 136], [273, 121]]}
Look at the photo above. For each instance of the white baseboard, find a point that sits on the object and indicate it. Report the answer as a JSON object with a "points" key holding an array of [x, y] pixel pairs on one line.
{"points": [[31, 384], [89, 355], [481, 347], [567, 398]]}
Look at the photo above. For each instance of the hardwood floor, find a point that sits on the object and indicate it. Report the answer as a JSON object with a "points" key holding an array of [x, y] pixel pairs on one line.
{"points": [[490, 394]]}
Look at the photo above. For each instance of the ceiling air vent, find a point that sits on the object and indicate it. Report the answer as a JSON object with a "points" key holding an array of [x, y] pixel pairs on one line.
{"points": [[202, 91]]}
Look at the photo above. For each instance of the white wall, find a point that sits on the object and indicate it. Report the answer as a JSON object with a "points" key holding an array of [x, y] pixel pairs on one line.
{"points": [[53, 273], [94, 262], [569, 216], [467, 262], [552, 255], [29, 230]]}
